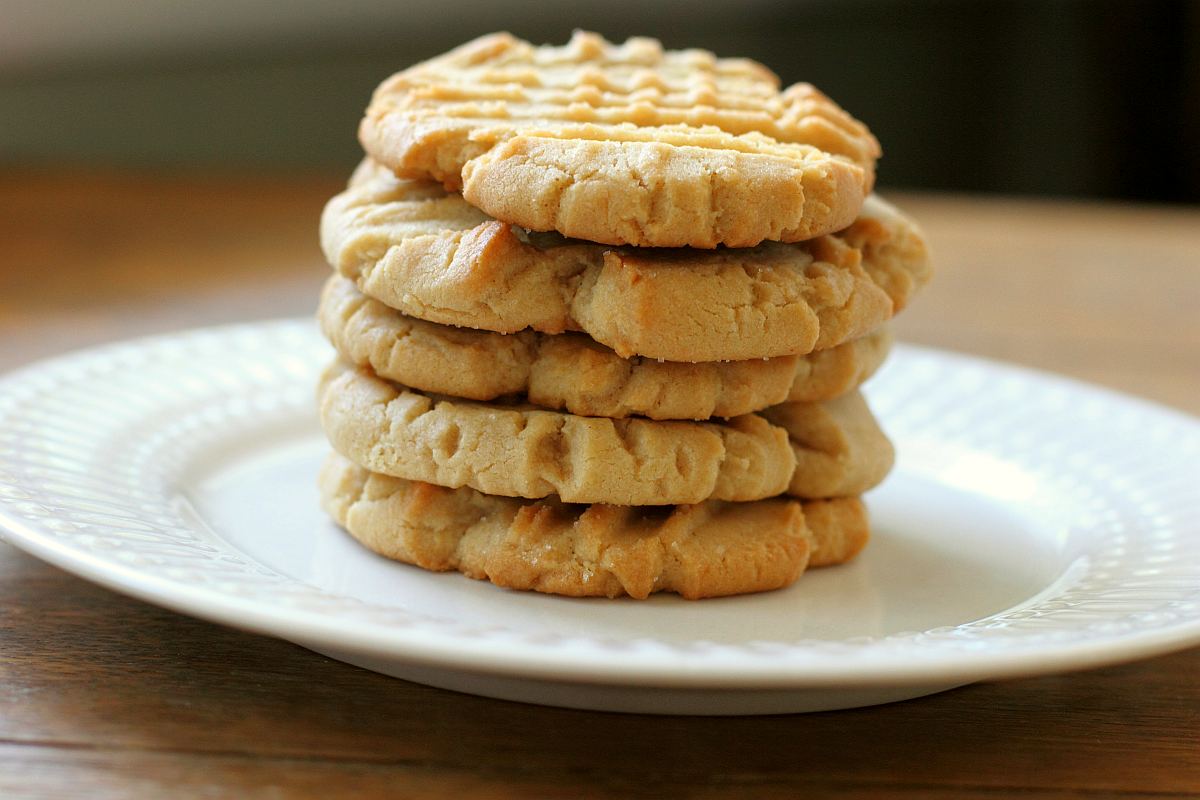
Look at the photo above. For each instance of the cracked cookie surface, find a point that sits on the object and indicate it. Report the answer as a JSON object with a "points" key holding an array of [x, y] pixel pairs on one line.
{"points": [[625, 144], [572, 372], [839, 447], [709, 549], [519, 451], [809, 450], [427, 253]]}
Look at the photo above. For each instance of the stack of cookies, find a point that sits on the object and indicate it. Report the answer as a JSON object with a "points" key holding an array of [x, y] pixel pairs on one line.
{"points": [[601, 314]]}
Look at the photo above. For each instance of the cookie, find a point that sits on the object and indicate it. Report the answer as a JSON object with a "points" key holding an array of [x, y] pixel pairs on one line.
{"points": [[839, 447], [571, 372], [895, 253], [430, 255], [625, 144], [705, 550], [809, 450], [519, 451], [826, 374]]}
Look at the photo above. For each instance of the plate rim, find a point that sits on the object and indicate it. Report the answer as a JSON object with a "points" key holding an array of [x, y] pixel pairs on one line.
{"points": [[451, 649]]}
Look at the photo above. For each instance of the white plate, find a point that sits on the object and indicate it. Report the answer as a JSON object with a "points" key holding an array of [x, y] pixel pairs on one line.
{"points": [[1033, 525]]}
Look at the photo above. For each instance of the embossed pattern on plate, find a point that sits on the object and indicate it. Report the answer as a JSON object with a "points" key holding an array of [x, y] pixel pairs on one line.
{"points": [[99, 451]]}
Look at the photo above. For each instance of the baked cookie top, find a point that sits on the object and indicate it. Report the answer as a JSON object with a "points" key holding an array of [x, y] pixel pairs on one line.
{"points": [[625, 144], [429, 254]]}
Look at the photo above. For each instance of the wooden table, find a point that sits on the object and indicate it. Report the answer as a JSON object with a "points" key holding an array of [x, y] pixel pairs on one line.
{"points": [[101, 695]]}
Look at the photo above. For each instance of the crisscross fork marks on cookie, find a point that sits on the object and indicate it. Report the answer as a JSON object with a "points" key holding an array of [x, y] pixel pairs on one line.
{"points": [[727, 158], [592, 81]]}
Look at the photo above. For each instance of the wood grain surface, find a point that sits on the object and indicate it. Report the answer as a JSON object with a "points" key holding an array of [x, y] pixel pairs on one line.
{"points": [[103, 696]]}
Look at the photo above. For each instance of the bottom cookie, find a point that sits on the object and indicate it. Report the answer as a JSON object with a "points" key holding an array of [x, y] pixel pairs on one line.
{"points": [[709, 549]]}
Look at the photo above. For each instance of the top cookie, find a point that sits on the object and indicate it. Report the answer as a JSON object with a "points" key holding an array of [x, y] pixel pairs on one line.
{"points": [[625, 144]]}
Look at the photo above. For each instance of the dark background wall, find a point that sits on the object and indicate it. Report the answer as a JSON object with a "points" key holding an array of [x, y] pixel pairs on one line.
{"points": [[1063, 97]]}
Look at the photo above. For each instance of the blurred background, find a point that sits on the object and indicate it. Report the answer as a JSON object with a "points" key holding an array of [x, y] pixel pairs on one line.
{"points": [[1064, 97]]}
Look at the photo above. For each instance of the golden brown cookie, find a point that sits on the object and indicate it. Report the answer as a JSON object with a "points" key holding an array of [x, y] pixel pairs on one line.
{"points": [[705, 550], [625, 144], [826, 374], [522, 452], [428, 254], [839, 447], [572, 372], [809, 450], [895, 253]]}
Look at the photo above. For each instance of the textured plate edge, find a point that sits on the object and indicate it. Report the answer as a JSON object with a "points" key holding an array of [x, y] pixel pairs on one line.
{"points": [[462, 654], [456, 651]]}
